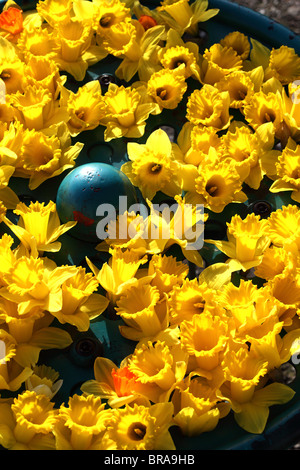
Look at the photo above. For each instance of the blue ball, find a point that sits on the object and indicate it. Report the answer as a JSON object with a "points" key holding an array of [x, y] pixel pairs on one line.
{"points": [[84, 189]]}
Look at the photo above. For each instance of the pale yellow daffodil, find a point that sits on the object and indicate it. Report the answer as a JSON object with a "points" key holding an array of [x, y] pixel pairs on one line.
{"points": [[44, 381], [12, 374]]}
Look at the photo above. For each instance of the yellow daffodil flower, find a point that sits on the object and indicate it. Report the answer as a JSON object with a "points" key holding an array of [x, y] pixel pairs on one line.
{"points": [[168, 272], [291, 109], [10, 149], [28, 241], [250, 405], [152, 166], [264, 108], [44, 381], [35, 282], [143, 311], [116, 384], [81, 424], [156, 233], [195, 406], [249, 151], [28, 423], [11, 141], [216, 186], [243, 369], [275, 349], [183, 227], [284, 64], [53, 11], [209, 107], [46, 156], [7, 256], [276, 261], [167, 88], [288, 171], [12, 375], [285, 290], [240, 87], [121, 236], [85, 107], [180, 56], [80, 303], [189, 299], [194, 141], [7, 195], [239, 42], [140, 428], [37, 109], [218, 62], [135, 46], [41, 71], [119, 272], [183, 16], [19, 325], [39, 42], [12, 74], [76, 51], [125, 111], [249, 307], [42, 222], [247, 240], [284, 226], [205, 338], [108, 13], [158, 366]]}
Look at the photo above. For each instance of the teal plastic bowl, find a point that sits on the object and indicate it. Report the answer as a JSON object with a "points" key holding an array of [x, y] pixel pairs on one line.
{"points": [[75, 365]]}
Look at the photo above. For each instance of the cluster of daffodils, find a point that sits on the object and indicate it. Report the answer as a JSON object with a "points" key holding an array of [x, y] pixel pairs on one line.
{"points": [[203, 346], [34, 292]]}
